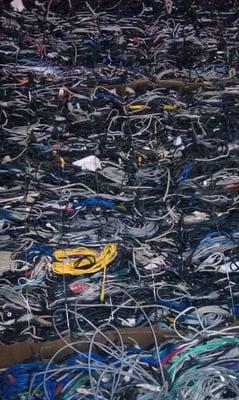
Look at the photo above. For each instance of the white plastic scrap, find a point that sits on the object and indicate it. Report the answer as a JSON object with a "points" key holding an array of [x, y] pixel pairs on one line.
{"points": [[90, 163], [17, 5]]}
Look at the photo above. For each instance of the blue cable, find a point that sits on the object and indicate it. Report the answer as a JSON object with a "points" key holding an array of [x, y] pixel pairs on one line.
{"points": [[185, 172], [94, 201]]}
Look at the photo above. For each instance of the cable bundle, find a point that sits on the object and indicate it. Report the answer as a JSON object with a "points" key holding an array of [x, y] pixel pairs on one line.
{"points": [[84, 261], [205, 369], [118, 133]]}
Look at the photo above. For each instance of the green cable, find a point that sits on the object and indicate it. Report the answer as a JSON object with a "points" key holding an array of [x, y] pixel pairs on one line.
{"points": [[201, 348], [73, 386]]}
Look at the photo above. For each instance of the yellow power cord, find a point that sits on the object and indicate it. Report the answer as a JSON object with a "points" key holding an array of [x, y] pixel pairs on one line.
{"points": [[83, 261], [169, 107], [138, 107]]}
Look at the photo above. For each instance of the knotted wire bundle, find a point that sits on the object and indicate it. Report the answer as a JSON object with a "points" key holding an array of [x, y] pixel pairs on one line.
{"points": [[119, 126]]}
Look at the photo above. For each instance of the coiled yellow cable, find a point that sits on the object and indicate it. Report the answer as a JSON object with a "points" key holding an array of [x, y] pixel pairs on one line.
{"points": [[83, 261]]}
